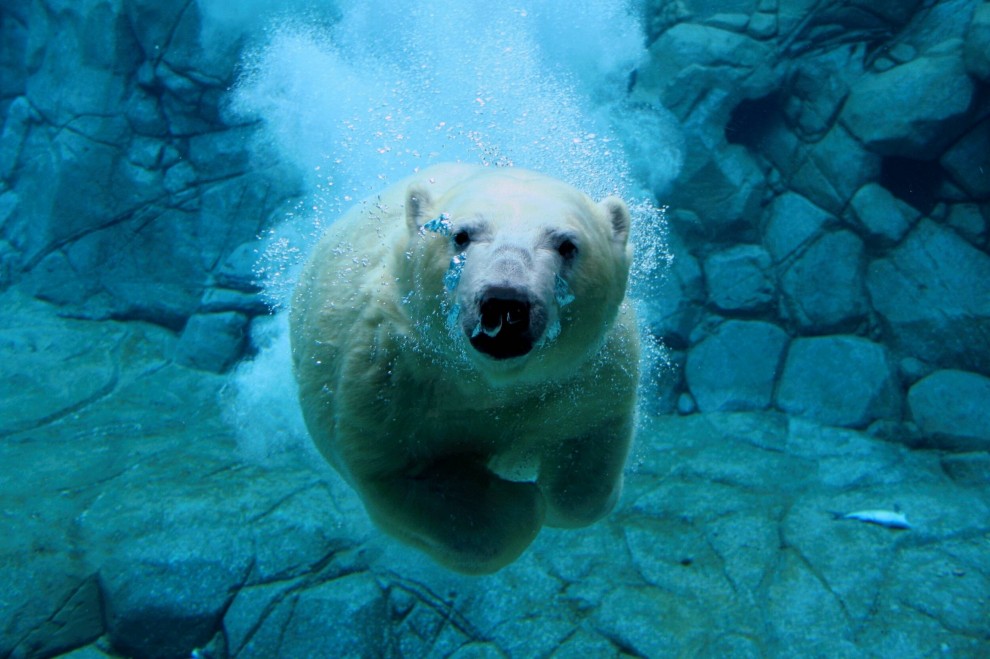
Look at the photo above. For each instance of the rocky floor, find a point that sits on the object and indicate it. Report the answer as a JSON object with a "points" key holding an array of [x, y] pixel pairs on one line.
{"points": [[133, 525]]}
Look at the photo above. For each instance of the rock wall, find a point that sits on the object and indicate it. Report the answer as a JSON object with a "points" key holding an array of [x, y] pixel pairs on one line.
{"points": [[125, 191], [164, 540], [830, 221]]}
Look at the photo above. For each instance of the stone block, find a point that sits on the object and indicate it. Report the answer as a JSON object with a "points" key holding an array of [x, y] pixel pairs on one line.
{"points": [[793, 223], [914, 110], [839, 380], [933, 293], [736, 367], [739, 279], [701, 68], [823, 290], [830, 171], [356, 599], [78, 620], [818, 88], [880, 216], [165, 609], [212, 341], [952, 410], [723, 186]]}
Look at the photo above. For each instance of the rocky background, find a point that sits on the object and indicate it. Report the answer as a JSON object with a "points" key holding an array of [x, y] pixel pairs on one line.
{"points": [[133, 526], [123, 192], [830, 221], [832, 208], [828, 313]]}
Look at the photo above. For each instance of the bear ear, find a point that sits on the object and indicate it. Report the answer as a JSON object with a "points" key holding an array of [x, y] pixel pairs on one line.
{"points": [[418, 202], [618, 216]]}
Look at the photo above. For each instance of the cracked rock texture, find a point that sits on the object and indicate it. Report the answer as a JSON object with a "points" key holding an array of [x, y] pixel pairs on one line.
{"points": [[137, 534], [849, 142], [835, 178], [114, 135]]}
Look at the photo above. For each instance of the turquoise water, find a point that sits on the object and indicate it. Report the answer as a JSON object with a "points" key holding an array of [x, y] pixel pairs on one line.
{"points": [[809, 185], [356, 107]]}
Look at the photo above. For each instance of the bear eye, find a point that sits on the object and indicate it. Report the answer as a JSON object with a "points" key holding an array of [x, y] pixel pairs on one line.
{"points": [[462, 238], [567, 249]]}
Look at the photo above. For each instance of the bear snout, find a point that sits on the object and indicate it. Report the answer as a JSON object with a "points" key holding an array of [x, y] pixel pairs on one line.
{"points": [[508, 323]]}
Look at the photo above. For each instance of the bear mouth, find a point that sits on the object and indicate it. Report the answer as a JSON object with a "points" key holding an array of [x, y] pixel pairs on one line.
{"points": [[505, 327]]}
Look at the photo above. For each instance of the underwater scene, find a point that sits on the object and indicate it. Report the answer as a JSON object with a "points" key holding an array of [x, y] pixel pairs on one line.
{"points": [[491, 329]]}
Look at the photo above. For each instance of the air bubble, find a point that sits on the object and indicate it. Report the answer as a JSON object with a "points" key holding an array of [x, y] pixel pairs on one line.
{"points": [[452, 317], [439, 225], [453, 275], [552, 102]]}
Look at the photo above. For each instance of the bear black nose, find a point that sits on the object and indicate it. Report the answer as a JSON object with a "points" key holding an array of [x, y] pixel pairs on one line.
{"points": [[504, 315], [504, 328]]}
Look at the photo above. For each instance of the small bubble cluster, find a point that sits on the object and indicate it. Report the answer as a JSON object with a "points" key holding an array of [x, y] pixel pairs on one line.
{"points": [[526, 94], [439, 225], [453, 275]]}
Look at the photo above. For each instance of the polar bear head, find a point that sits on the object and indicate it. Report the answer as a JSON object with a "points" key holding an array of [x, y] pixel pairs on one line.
{"points": [[517, 268]]}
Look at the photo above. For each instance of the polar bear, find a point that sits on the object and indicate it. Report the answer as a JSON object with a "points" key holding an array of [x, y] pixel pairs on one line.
{"points": [[468, 361]]}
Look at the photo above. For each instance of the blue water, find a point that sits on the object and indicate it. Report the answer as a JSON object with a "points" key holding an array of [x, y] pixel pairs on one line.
{"points": [[816, 354], [387, 89]]}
